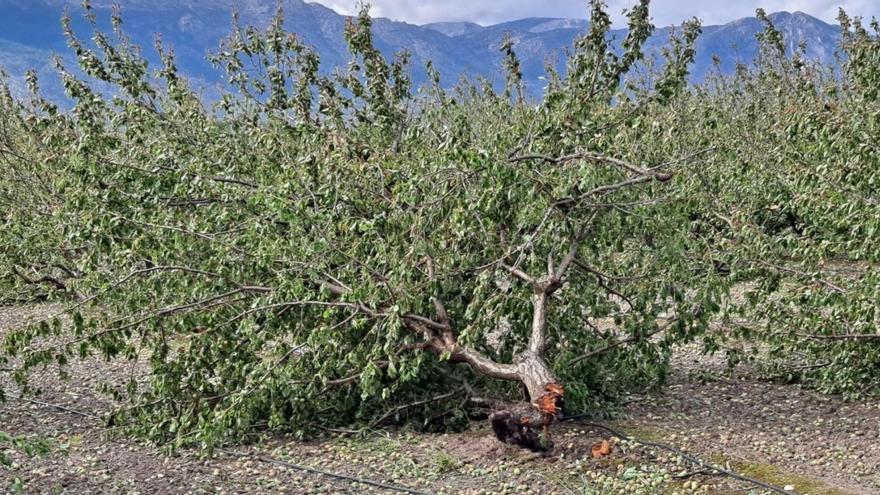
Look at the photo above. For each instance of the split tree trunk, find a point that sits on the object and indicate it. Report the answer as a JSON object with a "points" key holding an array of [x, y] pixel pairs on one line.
{"points": [[519, 424], [527, 424]]}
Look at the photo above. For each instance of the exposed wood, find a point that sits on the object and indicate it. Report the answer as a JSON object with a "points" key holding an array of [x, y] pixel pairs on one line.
{"points": [[519, 426]]}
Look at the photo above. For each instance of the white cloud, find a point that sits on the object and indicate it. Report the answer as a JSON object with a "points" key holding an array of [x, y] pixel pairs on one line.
{"points": [[665, 12]]}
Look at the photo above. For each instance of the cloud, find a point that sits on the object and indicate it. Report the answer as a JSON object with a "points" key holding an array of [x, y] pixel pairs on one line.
{"points": [[481, 11], [665, 12]]}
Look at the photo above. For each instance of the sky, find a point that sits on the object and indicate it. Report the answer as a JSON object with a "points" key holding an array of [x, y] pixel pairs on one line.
{"points": [[665, 12]]}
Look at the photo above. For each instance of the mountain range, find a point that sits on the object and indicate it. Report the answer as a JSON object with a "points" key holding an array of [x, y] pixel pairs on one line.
{"points": [[30, 34]]}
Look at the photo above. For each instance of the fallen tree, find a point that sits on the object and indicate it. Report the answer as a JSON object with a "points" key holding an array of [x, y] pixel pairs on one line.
{"points": [[318, 251]]}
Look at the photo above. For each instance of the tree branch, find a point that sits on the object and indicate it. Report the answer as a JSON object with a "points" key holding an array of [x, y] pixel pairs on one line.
{"points": [[635, 169], [447, 334], [854, 337], [516, 272], [173, 310], [231, 180], [433, 325], [352, 378], [484, 365], [602, 280], [571, 201], [45, 279], [537, 339], [622, 342], [397, 409], [150, 270], [571, 256], [826, 283]]}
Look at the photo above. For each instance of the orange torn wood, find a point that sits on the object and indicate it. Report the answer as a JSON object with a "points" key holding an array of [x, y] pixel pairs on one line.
{"points": [[600, 449]]}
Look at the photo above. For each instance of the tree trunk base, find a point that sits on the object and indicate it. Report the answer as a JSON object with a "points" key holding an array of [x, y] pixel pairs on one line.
{"points": [[521, 426], [528, 425], [524, 424]]}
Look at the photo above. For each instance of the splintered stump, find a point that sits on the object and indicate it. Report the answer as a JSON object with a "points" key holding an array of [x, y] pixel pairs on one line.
{"points": [[527, 425]]}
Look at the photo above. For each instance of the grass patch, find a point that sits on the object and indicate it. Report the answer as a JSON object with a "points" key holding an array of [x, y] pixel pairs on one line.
{"points": [[444, 463], [770, 473], [644, 433]]}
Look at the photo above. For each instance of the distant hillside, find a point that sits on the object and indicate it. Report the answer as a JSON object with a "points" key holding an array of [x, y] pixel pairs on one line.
{"points": [[30, 33]]}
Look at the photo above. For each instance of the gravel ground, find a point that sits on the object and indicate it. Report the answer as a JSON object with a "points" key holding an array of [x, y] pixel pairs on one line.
{"points": [[777, 433], [755, 425]]}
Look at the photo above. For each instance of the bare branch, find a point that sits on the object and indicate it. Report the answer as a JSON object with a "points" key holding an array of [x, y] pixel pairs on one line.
{"points": [[605, 276], [172, 310], [45, 279], [484, 365], [425, 321], [826, 283], [67, 270], [572, 251], [335, 289], [231, 180], [852, 337], [602, 281], [353, 377], [622, 342], [397, 409], [440, 309], [516, 272], [446, 334], [571, 201], [642, 175], [287, 305], [584, 156], [146, 271], [429, 262]]}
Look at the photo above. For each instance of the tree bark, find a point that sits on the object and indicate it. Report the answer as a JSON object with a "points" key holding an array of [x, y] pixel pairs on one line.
{"points": [[520, 424], [534, 373], [517, 424]]}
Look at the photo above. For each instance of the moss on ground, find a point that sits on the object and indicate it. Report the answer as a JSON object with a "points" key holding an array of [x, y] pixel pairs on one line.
{"points": [[769, 473]]}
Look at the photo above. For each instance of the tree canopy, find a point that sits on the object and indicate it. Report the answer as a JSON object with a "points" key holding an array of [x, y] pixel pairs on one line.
{"points": [[317, 250]]}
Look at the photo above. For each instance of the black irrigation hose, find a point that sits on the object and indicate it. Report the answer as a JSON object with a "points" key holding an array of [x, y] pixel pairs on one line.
{"points": [[56, 406], [352, 479], [688, 457], [268, 460]]}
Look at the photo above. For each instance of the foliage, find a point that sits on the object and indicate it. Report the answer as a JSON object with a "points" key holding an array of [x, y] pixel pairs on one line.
{"points": [[317, 250], [28, 447], [803, 213]]}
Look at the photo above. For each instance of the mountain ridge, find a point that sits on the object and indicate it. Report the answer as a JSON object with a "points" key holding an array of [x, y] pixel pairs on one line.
{"points": [[195, 27]]}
